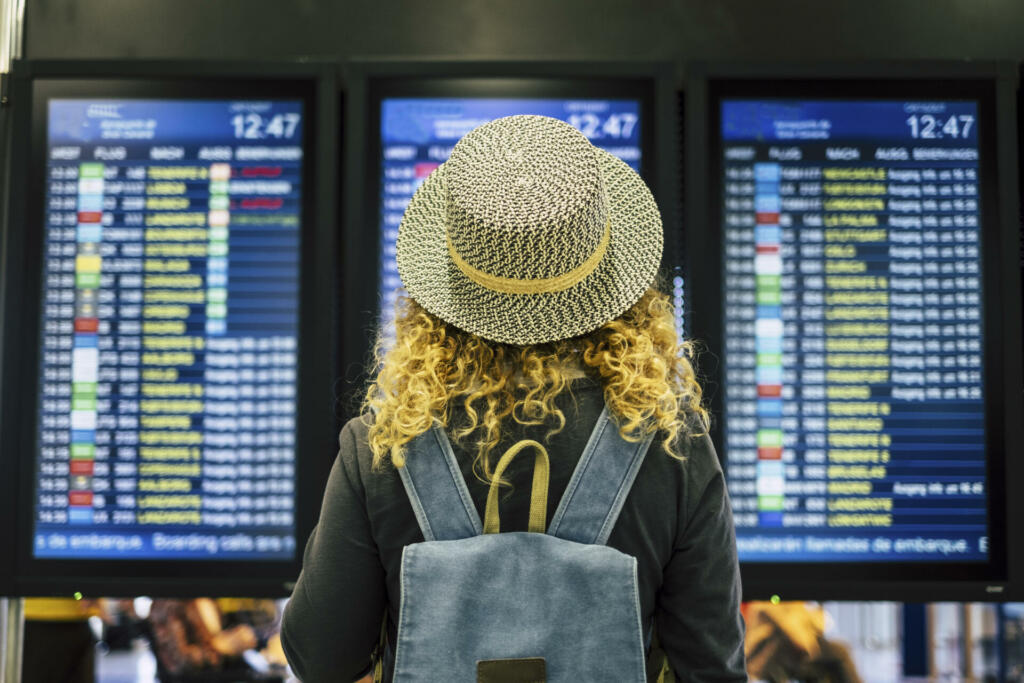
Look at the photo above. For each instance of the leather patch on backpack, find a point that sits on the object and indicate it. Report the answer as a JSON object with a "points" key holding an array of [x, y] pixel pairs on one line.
{"points": [[527, 670]]}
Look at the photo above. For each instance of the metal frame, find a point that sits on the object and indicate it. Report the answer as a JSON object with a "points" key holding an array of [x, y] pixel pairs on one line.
{"points": [[12, 32], [13, 639], [360, 224], [316, 425], [822, 580]]}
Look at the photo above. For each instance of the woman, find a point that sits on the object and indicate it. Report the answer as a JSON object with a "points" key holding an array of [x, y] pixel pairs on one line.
{"points": [[529, 259]]}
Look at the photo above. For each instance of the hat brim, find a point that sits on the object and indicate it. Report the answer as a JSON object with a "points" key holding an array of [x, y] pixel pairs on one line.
{"points": [[620, 279]]}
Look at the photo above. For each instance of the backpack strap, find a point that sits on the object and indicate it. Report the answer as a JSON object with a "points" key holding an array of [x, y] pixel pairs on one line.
{"points": [[433, 481], [599, 485]]}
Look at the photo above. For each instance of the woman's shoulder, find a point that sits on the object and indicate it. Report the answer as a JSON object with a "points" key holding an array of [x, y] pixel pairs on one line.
{"points": [[354, 450], [357, 428], [693, 457], [354, 447], [698, 450]]}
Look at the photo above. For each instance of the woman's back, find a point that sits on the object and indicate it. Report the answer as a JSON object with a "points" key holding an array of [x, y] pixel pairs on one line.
{"points": [[675, 521]]}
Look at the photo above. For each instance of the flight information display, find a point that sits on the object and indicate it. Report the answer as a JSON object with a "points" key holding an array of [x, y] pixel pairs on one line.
{"points": [[169, 329], [854, 400], [417, 135]]}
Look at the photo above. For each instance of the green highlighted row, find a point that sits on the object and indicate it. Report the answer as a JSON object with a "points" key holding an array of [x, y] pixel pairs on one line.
{"points": [[769, 438], [83, 389], [83, 403], [87, 280], [90, 171]]}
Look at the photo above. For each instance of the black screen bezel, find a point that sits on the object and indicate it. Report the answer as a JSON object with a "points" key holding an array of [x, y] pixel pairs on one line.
{"points": [[877, 580], [315, 424]]}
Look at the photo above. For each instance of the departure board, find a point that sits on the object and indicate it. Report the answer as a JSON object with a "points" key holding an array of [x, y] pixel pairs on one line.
{"points": [[169, 329], [852, 304], [417, 135]]}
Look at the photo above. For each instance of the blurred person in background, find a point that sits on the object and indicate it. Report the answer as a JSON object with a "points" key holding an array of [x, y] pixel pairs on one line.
{"points": [[196, 640], [60, 646], [786, 641]]}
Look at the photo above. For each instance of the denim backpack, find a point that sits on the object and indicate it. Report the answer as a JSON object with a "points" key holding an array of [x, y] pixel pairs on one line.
{"points": [[478, 605]]}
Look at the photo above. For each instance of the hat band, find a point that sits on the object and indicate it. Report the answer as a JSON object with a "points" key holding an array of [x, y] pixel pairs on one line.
{"points": [[547, 285]]}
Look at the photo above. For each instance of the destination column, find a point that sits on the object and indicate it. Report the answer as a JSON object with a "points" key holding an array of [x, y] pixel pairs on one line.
{"points": [[171, 405], [857, 320]]}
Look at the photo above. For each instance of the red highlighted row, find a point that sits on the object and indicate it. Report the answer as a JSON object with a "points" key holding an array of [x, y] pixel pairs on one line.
{"points": [[425, 168], [769, 390], [262, 203], [87, 324], [261, 171], [769, 453], [80, 498], [84, 467]]}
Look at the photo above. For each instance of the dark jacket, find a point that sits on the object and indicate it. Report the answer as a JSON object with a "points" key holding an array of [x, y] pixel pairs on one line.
{"points": [[676, 521]]}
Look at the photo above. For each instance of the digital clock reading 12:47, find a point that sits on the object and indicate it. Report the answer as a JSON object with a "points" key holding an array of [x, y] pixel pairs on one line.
{"points": [[931, 127], [254, 126]]}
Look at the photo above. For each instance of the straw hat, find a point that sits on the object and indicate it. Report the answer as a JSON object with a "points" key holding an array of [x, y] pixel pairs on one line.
{"points": [[529, 234]]}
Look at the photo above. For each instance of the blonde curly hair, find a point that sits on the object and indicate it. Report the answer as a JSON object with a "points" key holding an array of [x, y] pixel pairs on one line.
{"points": [[646, 373]]}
